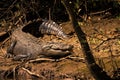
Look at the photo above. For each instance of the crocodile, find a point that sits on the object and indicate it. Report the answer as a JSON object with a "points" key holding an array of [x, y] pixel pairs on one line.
{"points": [[25, 46]]}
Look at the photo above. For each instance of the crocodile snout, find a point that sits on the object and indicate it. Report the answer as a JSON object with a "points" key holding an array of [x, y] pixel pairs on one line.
{"points": [[57, 50]]}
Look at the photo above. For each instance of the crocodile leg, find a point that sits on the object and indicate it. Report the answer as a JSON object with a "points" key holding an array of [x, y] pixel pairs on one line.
{"points": [[22, 57], [10, 49], [10, 53]]}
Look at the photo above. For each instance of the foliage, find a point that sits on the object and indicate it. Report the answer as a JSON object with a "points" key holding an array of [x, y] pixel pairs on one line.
{"points": [[11, 10]]}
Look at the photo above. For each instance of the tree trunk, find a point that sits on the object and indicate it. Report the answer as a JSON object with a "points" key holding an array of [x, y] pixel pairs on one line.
{"points": [[95, 70]]}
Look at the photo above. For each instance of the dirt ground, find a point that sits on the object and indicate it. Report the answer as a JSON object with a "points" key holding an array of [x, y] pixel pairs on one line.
{"points": [[104, 40]]}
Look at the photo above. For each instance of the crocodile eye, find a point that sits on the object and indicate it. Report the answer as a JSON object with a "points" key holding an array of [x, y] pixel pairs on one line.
{"points": [[46, 47]]}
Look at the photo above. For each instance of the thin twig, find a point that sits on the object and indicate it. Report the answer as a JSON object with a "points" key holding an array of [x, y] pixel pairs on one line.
{"points": [[9, 8], [40, 60], [33, 74], [100, 12], [4, 52], [49, 13], [2, 33], [113, 62], [4, 41], [108, 39]]}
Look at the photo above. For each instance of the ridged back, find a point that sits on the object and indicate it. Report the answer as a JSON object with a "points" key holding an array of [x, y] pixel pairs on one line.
{"points": [[50, 27]]}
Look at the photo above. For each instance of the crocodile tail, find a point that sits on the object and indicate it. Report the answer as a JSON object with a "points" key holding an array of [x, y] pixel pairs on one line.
{"points": [[50, 27]]}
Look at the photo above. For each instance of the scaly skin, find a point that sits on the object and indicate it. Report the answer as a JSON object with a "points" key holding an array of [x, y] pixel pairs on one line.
{"points": [[50, 27], [25, 46]]}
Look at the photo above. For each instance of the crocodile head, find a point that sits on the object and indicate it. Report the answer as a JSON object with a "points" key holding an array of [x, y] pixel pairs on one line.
{"points": [[56, 50]]}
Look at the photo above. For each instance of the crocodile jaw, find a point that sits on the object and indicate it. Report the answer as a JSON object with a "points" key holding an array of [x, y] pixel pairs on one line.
{"points": [[56, 50]]}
